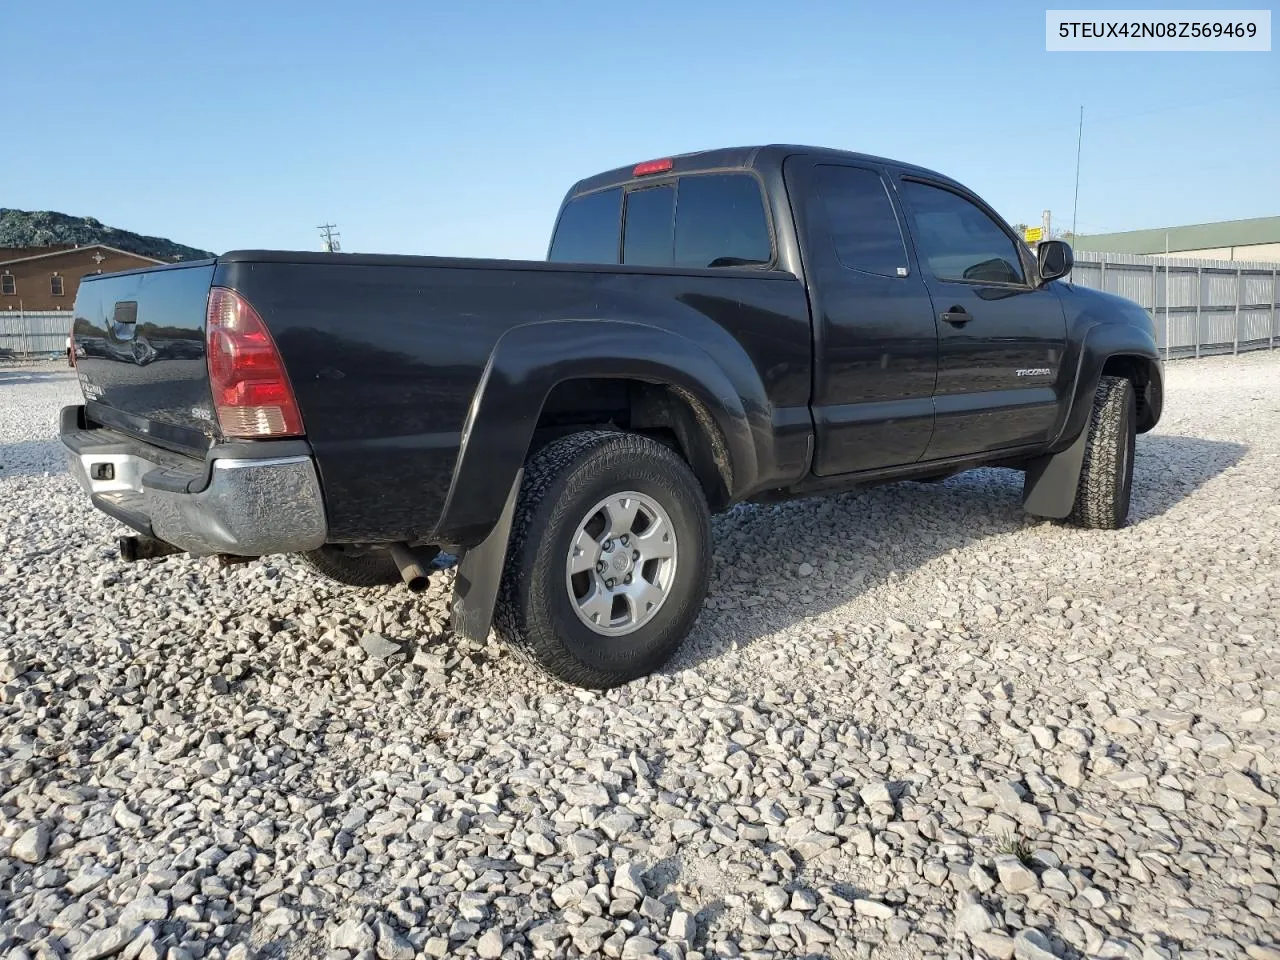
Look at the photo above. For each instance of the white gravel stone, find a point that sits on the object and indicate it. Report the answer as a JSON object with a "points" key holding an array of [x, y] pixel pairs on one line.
{"points": [[872, 908], [1240, 787], [391, 944], [216, 755], [143, 909], [490, 945], [995, 945], [33, 845], [876, 793], [1015, 876], [104, 943], [379, 647], [352, 935], [1032, 945], [683, 927], [971, 916], [630, 877]]}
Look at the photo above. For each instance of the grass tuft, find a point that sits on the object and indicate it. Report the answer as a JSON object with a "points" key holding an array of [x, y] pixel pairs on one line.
{"points": [[1013, 846]]}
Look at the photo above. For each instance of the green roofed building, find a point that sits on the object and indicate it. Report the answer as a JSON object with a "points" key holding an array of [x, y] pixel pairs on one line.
{"points": [[1255, 240]]}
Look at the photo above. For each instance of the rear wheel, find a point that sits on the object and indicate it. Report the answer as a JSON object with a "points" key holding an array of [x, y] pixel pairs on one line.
{"points": [[609, 558], [1106, 475], [352, 566]]}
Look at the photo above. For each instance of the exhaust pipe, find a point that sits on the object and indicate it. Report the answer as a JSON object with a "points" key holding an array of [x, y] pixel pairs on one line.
{"points": [[412, 570], [133, 549]]}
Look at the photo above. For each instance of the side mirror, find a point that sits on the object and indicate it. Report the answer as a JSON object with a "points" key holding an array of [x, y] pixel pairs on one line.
{"points": [[1056, 259]]}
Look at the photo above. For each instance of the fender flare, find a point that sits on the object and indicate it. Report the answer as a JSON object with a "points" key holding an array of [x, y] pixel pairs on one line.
{"points": [[1049, 487], [529, 360], [1100, 343]]}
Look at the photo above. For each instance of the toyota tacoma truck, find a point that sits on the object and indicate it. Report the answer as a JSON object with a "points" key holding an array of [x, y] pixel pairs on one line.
{"points": [[725, 326]]}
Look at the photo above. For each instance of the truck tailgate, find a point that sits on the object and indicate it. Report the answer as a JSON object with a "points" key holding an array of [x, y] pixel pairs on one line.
{"points": [[139, 339]]}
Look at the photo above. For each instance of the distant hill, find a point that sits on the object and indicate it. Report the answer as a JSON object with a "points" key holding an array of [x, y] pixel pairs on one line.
{"points": [[39, 228]]}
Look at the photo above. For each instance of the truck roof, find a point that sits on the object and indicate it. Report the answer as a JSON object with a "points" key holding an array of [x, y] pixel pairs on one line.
{"points": [[767, 156]]}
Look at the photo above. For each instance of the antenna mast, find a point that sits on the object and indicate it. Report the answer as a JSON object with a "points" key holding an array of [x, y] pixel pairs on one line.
{"points": [[1075, 203]]}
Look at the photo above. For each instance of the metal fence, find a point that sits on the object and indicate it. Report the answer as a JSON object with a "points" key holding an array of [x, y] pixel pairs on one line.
{"points": [[1199, 306], [29, 335]]}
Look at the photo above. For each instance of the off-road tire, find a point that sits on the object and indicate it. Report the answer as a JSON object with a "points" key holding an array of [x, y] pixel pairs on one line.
{"points": [[1106, 475], [355, 569], [534, 613]]}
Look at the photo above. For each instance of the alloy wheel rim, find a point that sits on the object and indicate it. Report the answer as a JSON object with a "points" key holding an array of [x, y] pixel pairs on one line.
{"points": [[622, 563]]}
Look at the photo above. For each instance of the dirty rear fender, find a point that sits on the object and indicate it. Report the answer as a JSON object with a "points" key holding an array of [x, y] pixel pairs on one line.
{"points": [[529, 360]]}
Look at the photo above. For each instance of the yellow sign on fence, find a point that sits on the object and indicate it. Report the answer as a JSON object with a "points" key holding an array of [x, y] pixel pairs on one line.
{"points": [[1033, 234]]}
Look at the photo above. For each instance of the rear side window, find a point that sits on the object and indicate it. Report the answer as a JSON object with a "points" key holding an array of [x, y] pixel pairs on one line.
{"points": [[588, 229], [860, 217], [720, 222], [646, 236], [957, 239]]}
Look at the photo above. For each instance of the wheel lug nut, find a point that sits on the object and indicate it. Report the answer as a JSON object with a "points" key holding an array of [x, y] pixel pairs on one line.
{"points": [[609, 583], [628, 580], [608, 545], [635, 554], [599, 566]]}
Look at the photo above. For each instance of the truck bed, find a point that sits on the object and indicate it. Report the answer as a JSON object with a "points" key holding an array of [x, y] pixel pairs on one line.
{"points": [[386, 355]]}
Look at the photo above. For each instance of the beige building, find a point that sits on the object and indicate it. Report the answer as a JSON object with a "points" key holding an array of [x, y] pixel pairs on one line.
{"points": [[1256, 240]]}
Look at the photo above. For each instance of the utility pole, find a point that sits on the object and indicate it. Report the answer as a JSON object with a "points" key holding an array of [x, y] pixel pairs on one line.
{"points": [[329, 237], [1046, 223]]}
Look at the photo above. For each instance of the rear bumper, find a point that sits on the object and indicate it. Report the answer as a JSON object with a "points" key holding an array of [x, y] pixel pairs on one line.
{"points": [[250, 506]]}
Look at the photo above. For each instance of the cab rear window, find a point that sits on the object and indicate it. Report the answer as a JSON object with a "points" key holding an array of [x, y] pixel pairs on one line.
{"points": [[709, 220], [646, 238]]}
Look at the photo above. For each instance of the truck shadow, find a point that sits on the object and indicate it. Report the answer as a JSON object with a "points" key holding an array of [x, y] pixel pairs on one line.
{"points": [[857, 541]]}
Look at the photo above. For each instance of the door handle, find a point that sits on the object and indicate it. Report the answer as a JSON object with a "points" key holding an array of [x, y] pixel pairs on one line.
{"points": [[957, 316]]}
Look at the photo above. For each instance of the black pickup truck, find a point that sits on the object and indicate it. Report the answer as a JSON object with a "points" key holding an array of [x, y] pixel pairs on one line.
{"points": [[739, 324]]}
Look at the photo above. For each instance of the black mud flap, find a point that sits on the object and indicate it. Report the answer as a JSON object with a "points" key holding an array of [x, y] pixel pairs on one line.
{"points": [[1049, 488], [475, 588]]}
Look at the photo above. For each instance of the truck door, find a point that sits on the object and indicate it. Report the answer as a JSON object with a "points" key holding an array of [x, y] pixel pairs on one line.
{"points": [[875, 340], [1001, 336]]}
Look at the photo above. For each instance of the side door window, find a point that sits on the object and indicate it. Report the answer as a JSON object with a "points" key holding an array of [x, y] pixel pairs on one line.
{"points": [[648, 228], [864, 227], [957, 240]]}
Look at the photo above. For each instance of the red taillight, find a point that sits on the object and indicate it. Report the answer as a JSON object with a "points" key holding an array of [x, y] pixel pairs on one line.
{"points": [[652, 166], [251, 392]]}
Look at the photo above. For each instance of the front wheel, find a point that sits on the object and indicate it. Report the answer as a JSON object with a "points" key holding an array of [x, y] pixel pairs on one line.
{"points": [[609, 558], [1106, 475]]}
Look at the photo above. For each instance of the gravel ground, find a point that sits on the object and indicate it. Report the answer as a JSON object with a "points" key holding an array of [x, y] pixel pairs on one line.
{"points": [[912, 722]]}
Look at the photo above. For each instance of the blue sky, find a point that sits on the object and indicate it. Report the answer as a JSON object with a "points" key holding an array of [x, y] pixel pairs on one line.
{"points": [[455, 128]]}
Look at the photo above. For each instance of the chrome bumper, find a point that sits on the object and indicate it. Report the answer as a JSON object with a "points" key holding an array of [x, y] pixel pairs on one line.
{"points": [[249, 507]]}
